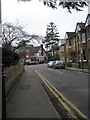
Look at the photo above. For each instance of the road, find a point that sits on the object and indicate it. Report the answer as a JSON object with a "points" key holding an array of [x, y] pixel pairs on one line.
{"points": [[71, 84]]}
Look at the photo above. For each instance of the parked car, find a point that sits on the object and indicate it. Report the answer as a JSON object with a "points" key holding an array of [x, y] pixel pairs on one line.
{"points": [[27, 62], [50, 63], [32, 62], [37, 62], [58, 64]]}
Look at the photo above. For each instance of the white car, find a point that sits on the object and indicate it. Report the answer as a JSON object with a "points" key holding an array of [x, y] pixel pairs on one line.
{"points": [[27, 62], [50, 63]]}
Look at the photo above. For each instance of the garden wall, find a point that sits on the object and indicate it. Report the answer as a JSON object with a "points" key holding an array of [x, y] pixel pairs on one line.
{"points": [[12, 74]]}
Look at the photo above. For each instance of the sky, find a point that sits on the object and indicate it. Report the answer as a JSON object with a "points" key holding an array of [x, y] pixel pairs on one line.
{"points": [[35, 17]]}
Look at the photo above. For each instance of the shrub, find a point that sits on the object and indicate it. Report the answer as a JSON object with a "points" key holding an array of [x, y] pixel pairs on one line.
{"points": [[9, 57]]}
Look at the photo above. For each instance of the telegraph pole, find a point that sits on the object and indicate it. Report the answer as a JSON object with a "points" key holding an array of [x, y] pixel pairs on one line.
{"points": [[0, 67], [2, 77]]}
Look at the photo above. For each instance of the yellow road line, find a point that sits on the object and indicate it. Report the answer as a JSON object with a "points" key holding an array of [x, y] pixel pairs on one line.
{"points": [[72, 105], [65, 106]]}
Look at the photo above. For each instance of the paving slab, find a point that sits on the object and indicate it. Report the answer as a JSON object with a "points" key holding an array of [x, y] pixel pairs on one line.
{"points": [[29, 99]]}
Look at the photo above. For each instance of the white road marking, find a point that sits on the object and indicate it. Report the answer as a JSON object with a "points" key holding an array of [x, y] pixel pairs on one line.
{"points": [[55, 70]]}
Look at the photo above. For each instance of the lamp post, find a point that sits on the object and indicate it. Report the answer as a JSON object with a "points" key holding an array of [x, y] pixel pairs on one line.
{"points": [[3, 95], [82, 58], [0, 68]]}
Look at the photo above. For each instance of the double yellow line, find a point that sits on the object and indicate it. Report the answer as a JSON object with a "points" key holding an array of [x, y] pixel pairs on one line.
{"points": [[63, 101]]}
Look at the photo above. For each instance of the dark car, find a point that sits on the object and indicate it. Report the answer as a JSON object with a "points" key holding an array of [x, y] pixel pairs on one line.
{"points": [[32, 62], [58, 64]]}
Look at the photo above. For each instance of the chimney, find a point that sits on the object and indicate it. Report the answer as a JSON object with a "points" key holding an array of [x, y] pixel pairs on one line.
{"points": [[31, 45], [41, 49]]}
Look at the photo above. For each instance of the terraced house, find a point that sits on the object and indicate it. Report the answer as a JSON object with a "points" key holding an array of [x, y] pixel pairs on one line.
{"points": [[68, 48], [77, 45], [62, 50], [87, 26]]}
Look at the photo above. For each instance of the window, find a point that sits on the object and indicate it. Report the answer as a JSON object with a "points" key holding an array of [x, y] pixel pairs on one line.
{"points": [[62, 48], [62, 59], [69, 43], [78, 38], [83, 37]]}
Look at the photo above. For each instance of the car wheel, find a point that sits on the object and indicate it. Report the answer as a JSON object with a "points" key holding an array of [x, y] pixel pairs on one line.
{"points": [[54, 67]]}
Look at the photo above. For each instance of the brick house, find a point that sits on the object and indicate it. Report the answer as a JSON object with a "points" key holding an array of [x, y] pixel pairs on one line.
{"points": [[62, 50], [87, 27], [77, 45], [80, 44], [32, 53], [68, 47]]}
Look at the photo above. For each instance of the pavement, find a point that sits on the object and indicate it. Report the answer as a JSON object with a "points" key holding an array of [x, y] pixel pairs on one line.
{"points": [[29, 100], [77, 69]]}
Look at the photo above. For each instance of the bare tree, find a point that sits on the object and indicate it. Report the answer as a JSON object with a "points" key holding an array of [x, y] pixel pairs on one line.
{"points": [[15, 34], [11, 33]]}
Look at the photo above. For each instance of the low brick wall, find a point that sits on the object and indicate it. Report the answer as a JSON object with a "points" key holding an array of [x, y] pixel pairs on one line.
{"points": [[12, 74], [76, 65]]}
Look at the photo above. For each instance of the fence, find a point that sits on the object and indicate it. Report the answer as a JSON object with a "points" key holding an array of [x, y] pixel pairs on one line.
{"points": [[12, 73]]}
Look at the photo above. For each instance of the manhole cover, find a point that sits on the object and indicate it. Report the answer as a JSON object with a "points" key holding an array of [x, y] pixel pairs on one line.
{"points": [[25, 87]]}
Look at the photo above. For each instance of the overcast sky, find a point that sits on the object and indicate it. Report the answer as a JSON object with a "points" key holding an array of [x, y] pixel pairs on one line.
{"points": [[35, 17]]}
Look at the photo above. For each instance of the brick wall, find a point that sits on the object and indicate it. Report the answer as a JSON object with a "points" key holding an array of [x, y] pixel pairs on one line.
{"points": [[12, 74]]}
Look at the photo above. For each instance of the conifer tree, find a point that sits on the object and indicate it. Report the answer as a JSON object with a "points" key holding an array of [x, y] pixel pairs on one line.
{"points": [[52, 38]]}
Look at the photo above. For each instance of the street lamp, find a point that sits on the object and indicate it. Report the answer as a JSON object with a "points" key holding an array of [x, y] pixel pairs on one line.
{"points": [[82, 58], [1, 100]]}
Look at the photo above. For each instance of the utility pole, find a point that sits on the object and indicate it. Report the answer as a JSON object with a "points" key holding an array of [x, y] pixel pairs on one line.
{"points": [[2, 76], [82, 57], [0, 67]]}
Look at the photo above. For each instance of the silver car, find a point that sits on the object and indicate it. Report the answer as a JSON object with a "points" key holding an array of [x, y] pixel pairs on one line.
{"points": [[58, 64], [50, 63]]}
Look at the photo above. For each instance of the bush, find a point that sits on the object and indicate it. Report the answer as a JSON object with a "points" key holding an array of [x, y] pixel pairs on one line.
{"points": [[9, 57]]}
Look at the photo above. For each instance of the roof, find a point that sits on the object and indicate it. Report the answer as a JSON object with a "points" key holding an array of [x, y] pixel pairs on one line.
{"points": [[81, 26], [31, 49], [88, 18], [70, 34]]}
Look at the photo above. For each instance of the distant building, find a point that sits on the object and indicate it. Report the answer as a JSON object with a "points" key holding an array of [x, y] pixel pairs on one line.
{"points": [[62, 49], [68, 38], [33, 53], [87, 27], [61, 41]]}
